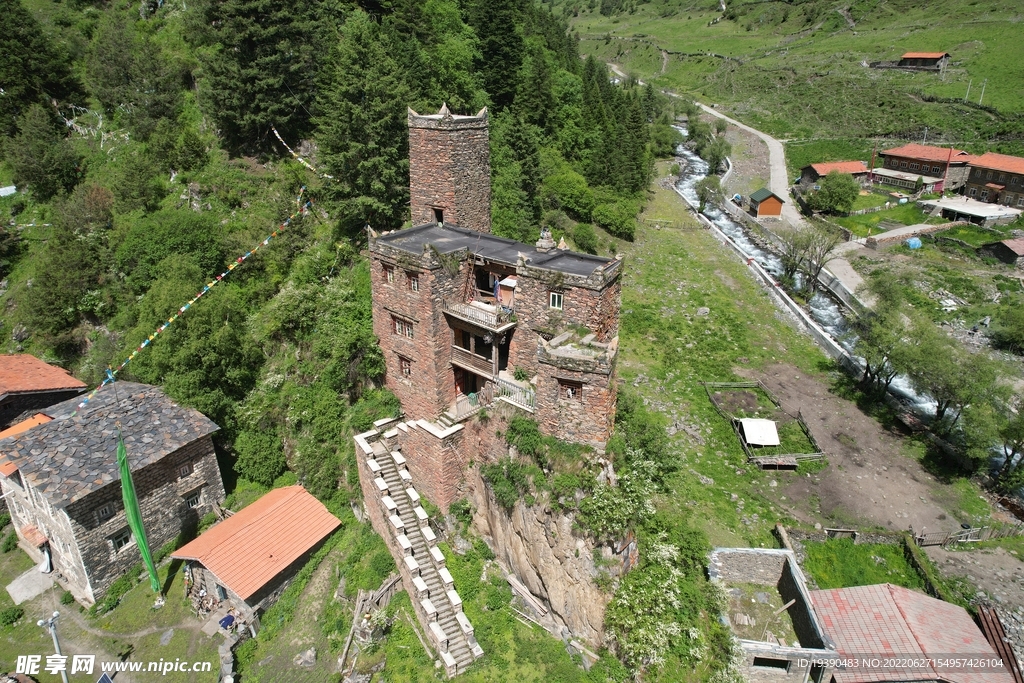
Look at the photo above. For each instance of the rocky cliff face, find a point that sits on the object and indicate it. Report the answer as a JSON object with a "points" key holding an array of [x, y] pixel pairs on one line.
{"points": [[540, 549]]}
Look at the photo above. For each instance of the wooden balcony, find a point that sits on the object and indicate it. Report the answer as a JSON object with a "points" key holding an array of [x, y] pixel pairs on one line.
{"points": [[493, 318], [472, 362]]}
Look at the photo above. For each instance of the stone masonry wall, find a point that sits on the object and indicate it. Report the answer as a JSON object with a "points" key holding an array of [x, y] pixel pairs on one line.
{"points": [[430, 388], [436, 463], [586, 418], [161, 491], [450, 169]]}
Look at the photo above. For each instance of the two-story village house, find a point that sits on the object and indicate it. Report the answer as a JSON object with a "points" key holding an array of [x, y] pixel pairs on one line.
{"points": [[61, 482]]}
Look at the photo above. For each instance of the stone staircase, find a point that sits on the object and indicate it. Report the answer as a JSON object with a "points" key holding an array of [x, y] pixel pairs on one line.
{"points": [[437, 604]]}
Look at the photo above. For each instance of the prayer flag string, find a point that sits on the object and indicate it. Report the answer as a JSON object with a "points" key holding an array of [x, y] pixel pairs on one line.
{"points": [[297, 157], [303, 209]]}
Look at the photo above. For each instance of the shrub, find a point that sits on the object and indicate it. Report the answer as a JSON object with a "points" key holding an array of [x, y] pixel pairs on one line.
{"points": [[508, 480], [260, 456], [10, 542], [569, 191], [585, 238], [520, 374], [11, 615], [5, 519], [617, 219], [462, 511], [67, 598], [524, 434], [117, 590]]}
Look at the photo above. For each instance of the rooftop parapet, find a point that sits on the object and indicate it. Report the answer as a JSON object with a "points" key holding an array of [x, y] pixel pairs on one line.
{"points": [[570, 351]]}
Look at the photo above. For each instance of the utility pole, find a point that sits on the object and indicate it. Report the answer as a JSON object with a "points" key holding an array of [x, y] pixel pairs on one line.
{"points": [[925, 142], [968, 89], [51, 624], [983, 84]]}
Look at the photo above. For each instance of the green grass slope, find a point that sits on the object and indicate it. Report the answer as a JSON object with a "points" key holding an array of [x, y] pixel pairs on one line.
{"points": [[799, 70]]}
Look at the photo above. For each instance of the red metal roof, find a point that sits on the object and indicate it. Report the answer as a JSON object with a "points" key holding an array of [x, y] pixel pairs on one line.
{"points": [[999, 162], [883, 620], [924, 55], [1015, 245], [23, 372], [25, 425], [7, 468], [928, 153], [841, 166], [994, 186], [247, 550]]}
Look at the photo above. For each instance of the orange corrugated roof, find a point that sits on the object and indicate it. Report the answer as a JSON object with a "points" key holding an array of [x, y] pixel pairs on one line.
{"points": [[927, 153], [841, 166], [924, 55], [34, 536], [7, 468], [25, 425], [999, 162], [247, 550], [23, 372]]}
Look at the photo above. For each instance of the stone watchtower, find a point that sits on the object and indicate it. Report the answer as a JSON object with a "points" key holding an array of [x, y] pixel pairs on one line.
{"points": [[450, 169]]}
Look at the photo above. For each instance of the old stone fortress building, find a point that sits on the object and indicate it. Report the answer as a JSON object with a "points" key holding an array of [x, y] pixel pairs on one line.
{"points": [[465, 317]]}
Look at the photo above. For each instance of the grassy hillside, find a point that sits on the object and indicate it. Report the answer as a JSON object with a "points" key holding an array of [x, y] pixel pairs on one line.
{"points": [[800, 70]]}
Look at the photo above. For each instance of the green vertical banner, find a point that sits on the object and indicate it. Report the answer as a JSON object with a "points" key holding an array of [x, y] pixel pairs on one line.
{"points": [[133, 513]]}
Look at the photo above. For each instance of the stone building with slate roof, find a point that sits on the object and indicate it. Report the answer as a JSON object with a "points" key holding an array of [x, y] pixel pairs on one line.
{"points": [[60, 479]]}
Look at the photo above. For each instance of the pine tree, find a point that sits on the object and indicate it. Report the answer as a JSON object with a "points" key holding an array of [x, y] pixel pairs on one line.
{"points": [[260, 71], [32, 70], [501, 48], [40, 156], [362, 128]]}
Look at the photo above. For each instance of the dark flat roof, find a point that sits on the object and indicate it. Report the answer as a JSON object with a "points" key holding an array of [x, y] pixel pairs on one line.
{"points": [[449, 238], [70, 457]]}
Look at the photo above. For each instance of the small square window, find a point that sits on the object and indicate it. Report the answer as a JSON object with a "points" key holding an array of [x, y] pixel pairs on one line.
{"points": [[903, 164], [936, 169], [403, 328], [984, 194], [974, 191], [988, 175], [1020, 201], [1002, 177], [569, 390], [555, 300], [185, 469], [105, 512], [389, 274], [194, 499], [914, 166], [406, 366], [414, 281], [1015, 180], [121, 539]]}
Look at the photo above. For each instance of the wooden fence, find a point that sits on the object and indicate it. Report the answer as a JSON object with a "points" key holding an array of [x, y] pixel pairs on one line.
{"points": [[972, 535]]}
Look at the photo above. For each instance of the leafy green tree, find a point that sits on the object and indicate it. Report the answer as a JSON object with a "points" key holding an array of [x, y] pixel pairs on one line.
{"points": [[1009, 328], [709, 191], [822, 242], [450, 49], [259, 68], [882, 330], [362, 132], [837, 194], [568, 190], [260, 456], [33, 70], [40, 156], [715, 153]]}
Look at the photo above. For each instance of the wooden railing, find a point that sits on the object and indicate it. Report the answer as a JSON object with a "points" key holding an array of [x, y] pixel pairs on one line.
{"points": [[517, 395], [471, 361], [495, 320]]}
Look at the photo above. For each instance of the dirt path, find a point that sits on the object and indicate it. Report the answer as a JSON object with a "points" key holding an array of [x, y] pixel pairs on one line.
{"points": [[779, 179], [80, 622], [868, 481], [993, 570]]}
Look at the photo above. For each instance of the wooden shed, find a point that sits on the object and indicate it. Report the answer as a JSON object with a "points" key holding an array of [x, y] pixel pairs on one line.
{"points": [[765, 203]]}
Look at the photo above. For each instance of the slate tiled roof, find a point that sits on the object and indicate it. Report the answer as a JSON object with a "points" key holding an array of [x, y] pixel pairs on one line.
{"points": [[884, 620], [247, 550], [22, 372], [25, 425], [70, 457]]}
